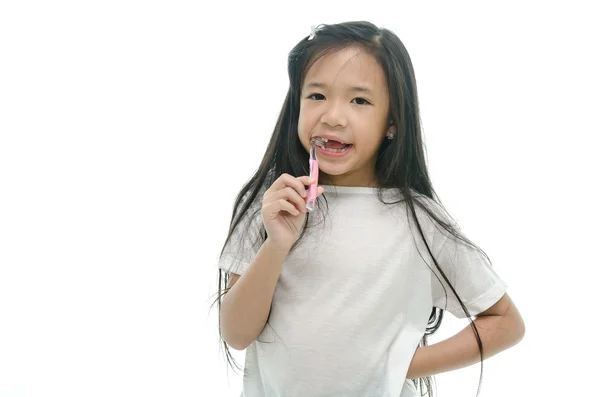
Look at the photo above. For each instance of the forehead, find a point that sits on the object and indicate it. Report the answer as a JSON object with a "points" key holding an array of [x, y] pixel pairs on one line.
{"points": [[348, 67]]}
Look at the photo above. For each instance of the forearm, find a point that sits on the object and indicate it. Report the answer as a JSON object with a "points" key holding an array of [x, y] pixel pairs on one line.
{"points": [[497, 333], [245, 307]]}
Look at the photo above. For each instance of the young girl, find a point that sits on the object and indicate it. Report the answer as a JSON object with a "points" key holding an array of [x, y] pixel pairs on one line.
{"points": [[340, 301]]}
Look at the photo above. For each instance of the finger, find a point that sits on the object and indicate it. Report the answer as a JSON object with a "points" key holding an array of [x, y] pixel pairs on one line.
{"points": [[301, 183], [280, 182], [298, 183], [307, 180], [284, 205], [292, 196]]}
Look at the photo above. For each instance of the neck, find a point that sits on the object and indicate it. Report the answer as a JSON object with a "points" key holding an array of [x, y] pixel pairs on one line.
{"points": [[348, 181]]}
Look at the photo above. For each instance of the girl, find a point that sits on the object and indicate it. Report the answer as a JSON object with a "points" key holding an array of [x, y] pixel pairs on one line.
{"points": [[340, 301]]}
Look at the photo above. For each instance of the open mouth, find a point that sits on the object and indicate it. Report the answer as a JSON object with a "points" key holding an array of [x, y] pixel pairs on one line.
{"points": [[332, 146], [336, 147]]}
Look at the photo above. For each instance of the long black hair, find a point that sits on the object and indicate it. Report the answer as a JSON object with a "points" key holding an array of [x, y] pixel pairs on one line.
{"points": [[400, 164]]}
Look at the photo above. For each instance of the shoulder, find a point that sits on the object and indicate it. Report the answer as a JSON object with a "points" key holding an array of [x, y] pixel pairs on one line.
{"points": [[426, 206], [434, 220]]}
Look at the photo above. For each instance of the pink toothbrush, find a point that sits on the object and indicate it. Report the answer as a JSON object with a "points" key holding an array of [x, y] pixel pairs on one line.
{"points": [[314, 172]]}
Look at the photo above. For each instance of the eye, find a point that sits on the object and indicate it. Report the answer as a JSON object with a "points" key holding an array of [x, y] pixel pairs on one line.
{"points": [[361, 101], [318, 96]]}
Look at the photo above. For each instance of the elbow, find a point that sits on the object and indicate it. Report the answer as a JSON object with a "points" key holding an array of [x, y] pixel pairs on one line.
{"points": [[518, 331], [521, 331], [236, 342], [232, 334], [235, 329], [517, 324], [239, 346]]}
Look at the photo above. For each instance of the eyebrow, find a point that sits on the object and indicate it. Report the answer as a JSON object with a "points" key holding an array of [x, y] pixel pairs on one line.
{"points": [[315, 84]]}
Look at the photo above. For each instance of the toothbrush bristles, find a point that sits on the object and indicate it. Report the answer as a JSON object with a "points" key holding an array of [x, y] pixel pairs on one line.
{"points": [[318, 141]]}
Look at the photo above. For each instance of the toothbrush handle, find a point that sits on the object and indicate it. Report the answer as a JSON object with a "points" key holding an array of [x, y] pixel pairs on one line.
{"points": [[312, 190]]}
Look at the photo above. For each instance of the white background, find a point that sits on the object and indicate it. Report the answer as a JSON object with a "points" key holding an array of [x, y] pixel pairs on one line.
{"points": [[128, 127]]}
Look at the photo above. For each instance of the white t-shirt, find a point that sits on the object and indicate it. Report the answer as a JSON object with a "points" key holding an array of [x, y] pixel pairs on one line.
{"points": [[353, 298]]}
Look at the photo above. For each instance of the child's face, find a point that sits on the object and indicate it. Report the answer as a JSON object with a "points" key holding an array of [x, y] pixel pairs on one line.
{"points": [[331, 105]]}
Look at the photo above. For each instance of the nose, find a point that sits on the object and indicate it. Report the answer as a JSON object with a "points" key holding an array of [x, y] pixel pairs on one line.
{"points": [[333, 114]]}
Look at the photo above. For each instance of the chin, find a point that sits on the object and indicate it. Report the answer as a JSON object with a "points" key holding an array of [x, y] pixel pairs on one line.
{"points": [[333, 173]]}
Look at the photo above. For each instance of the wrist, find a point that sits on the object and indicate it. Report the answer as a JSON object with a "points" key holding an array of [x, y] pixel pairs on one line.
{"points": [[277, 247]]}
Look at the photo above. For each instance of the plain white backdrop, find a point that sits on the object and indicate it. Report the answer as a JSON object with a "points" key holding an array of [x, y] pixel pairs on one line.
{"points": [[127, 128]]}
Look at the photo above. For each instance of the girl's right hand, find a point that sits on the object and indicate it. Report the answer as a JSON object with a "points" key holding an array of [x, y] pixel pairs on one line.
{"points": [[283, 209]]}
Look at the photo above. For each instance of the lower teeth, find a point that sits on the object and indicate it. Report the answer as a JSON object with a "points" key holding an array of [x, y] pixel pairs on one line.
{"points": [[337, 150]]}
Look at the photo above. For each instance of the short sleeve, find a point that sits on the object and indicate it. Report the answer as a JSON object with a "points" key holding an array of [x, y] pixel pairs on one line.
{"points": [[468, 270], [470, 273], [244, 243]]}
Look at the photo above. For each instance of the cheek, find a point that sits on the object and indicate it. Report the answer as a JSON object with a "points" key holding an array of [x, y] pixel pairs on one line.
{"points": [[304, 123], [301, 133], [302, 129]]}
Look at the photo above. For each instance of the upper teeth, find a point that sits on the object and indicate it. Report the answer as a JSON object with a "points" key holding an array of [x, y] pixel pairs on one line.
{"points": [[327, 140]]}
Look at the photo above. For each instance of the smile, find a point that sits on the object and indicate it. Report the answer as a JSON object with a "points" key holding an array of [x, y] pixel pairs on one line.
{"points": [[335, 152]]}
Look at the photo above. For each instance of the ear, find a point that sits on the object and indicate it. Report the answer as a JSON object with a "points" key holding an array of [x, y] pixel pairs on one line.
{"points": [[391, 131]]}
